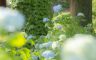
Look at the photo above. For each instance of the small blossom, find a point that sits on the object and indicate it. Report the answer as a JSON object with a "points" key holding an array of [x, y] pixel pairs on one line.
{"points": [[45, 19], [58, 26], [57, 8], [45, 45], [55, 45], [30, 37], [48, 54], [62, 37], [80, 14]]}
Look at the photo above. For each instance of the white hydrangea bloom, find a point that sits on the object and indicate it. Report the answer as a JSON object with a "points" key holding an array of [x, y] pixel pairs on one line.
{"points": [[55, 45], [48, 54], [57, 8], [11, 20], [80, 47], [80, 14], [62, 37], [45, 45], [45, 19]]}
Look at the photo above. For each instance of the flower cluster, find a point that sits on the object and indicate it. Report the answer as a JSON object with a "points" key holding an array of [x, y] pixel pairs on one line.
{"points": [[79, 46], [45, 37], [57, 8], [11, 20], [45, 19], [48, 54]]}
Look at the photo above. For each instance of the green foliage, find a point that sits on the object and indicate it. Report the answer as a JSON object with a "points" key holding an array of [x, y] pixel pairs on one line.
{"points": [[61, 27], [94, 14], [70, 25], [94, 7], [11, 48], [35, 11]]}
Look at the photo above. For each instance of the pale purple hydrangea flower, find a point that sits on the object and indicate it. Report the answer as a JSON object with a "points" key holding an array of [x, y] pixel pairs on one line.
{"points": [[59, 26], [57, 8], [45, 45], [30, 37], [48, 54], [45, 19]]}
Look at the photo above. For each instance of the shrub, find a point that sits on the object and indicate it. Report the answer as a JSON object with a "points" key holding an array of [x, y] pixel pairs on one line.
{"points": [[70, 25], [35, 11]]}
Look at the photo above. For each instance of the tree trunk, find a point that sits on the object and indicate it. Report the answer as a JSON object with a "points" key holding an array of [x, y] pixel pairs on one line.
{"points": [[85, 7], [73, 7], [3, 3]]}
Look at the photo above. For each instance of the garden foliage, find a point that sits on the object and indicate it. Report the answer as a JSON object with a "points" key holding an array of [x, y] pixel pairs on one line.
{"points": [[44, 32], [94, 14], [35, 11]]}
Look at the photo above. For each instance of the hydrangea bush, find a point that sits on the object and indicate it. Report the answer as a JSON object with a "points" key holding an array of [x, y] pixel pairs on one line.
{"points": [[53, 31], [60, 28]]}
